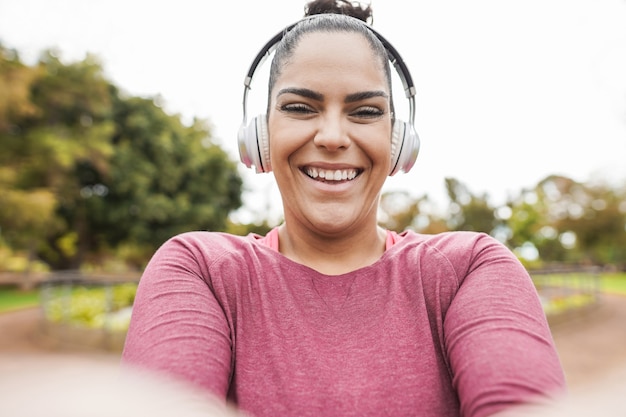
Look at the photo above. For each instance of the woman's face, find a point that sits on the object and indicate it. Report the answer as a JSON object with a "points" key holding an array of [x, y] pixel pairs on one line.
{"points": [[329, 132]]}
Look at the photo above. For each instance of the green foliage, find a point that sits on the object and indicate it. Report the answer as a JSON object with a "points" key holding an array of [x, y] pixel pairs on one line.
{"points": [[85, 169], [596, 217], [15, 84], [566, 303], [18, 261], [571, 222], [399, 211], [25, 213], [91, 307], [557, 221], [245, 229], [467, 210], [165, 178]]}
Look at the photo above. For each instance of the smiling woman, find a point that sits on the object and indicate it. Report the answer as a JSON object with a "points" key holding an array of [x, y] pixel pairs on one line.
{"points": [[336, 123], [329, 314]]}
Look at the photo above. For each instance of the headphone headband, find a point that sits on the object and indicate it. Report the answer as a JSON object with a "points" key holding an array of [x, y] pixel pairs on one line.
{"points": [[393, 56]]}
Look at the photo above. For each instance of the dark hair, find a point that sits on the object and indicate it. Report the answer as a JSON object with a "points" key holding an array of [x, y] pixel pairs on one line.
{"points": [[328, 16], [353, 9]]}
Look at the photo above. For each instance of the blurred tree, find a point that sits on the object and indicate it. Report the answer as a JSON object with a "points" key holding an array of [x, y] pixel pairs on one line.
{"points": [[243, 229], [23, 217], [71, 128], [22, 214], [567, 221], [84, 168], [591, 220], [15, 84], [165, 178], [532, 230], [468, 211], [400, 211]]}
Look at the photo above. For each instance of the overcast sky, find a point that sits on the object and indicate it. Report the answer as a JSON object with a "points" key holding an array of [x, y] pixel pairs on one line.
{"points": [[508, 92]]}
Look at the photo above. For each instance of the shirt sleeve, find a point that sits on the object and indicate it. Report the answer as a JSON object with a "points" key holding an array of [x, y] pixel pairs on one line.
{"points": [[499, 345], [178, 326]]}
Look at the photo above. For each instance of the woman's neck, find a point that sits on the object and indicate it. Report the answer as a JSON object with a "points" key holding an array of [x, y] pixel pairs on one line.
{"points": [[332, 254]]}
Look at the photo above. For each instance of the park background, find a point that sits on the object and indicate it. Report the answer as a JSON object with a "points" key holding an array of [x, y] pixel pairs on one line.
{"points": [[118, 126]]}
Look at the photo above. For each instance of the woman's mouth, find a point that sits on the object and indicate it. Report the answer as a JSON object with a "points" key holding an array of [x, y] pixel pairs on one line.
{"points": [[330, 175]]}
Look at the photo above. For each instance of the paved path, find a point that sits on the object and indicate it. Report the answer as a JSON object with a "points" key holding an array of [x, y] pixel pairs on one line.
{"points": [[593, 346]]}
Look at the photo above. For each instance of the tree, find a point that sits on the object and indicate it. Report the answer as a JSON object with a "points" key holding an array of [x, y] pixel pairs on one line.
{"points": [[567, 221], [71, 128], [15, 83], [165, 178], [22, 214], [400, 211], [85, 168], [595, 221], [531, 229], [469, 211]]}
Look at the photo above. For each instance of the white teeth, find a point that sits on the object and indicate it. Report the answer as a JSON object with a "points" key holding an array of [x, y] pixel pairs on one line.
{"points": [[329, 175]]}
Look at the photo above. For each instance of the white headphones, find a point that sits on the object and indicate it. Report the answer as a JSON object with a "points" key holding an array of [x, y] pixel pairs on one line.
{"points": [[253, 137]]}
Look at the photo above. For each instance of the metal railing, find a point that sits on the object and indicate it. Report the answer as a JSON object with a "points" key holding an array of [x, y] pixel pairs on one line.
{"points": [[91, 311], [565, 292]]}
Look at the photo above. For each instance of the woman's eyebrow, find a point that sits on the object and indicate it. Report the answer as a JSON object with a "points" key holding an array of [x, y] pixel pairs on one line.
{"points": [[304, 92], [350, 98], [363, 95]]}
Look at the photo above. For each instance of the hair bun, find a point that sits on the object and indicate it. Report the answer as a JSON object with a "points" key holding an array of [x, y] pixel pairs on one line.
{"points": [[353, 9]]}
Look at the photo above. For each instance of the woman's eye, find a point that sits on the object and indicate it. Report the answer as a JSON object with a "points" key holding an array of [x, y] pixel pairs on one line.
{"points": [[296, 108], [368, 112]]}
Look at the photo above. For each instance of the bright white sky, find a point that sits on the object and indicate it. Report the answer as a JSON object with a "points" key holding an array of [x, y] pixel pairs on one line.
{"points": [[508, 91]]}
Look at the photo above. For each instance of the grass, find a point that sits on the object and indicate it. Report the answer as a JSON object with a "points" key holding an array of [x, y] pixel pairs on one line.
{"points": [[614, 283], [14, 299]]}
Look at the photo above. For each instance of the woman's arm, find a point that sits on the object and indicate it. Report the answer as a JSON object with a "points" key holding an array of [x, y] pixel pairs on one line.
{"points": [[499, 344], [178, 326]]}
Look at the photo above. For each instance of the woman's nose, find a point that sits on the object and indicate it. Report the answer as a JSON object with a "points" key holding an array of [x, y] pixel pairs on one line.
{"points": [[332, 133]]}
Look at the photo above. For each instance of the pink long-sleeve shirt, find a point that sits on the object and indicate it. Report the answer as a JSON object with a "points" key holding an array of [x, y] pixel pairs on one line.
{"points": [[441, 325]]}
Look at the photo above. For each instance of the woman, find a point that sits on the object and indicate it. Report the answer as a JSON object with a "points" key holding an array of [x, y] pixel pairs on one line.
{"points": [[329, 314]]}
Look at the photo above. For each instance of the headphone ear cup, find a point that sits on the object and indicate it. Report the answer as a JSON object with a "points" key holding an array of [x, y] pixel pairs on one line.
{"points": [[263, 138], [405, 144], [253, 142]]}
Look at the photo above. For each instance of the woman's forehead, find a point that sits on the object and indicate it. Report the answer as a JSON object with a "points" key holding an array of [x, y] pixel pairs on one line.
{"points": [[319, 51], [321, 41]]}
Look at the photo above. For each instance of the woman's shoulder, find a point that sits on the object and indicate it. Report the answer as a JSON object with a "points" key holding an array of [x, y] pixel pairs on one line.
{"points": [[450, 242], [209, 237], [461, 250], [214, 244]]}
